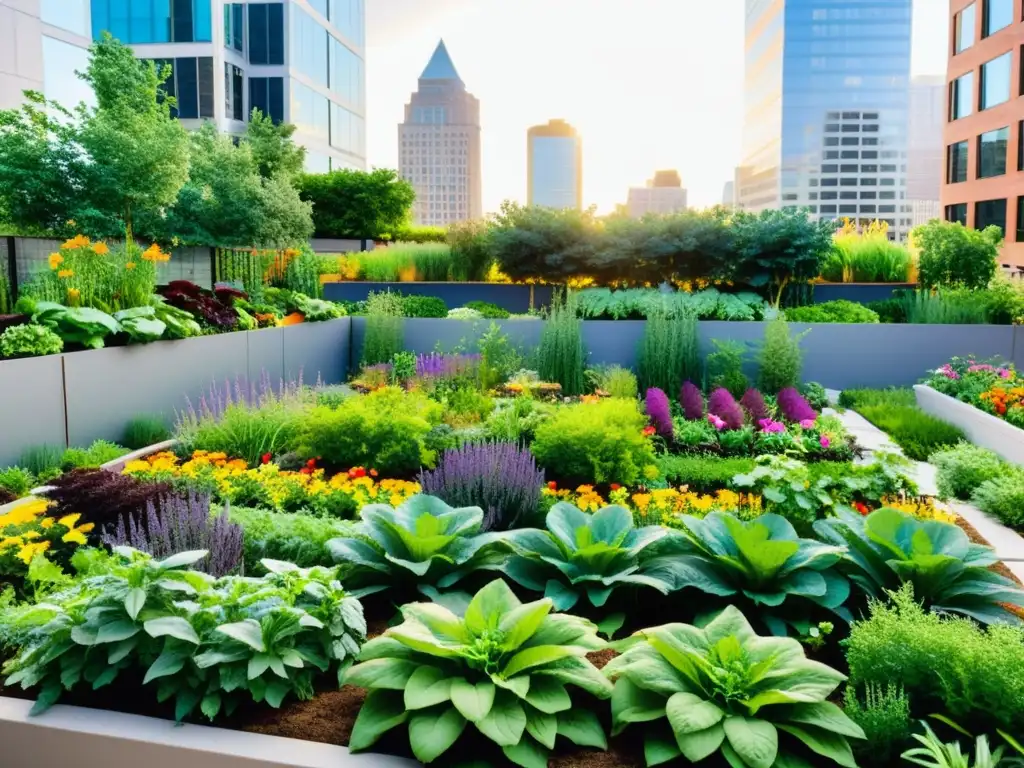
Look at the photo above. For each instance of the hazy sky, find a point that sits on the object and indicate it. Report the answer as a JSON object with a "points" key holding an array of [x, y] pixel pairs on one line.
{"points": [[650, 84]]}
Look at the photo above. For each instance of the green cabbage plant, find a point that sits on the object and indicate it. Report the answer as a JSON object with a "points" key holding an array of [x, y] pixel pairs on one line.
{"points": [[141, 323], [950, 574], [423, 542], [758, 701], [762, 560], [586, 555], [80, 325], [503, 668]]}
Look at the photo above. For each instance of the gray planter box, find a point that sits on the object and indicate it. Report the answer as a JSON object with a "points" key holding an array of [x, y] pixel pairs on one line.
{"points": [[982, 428], [92, 738], [31, 405]]}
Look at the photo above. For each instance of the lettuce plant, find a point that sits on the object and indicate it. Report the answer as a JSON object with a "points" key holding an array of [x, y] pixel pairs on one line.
{"points": [[950, 574], [423, 542], [762, 560], [585, 555], [204, 642], [503, 668], [722, 689], [81, 325]]}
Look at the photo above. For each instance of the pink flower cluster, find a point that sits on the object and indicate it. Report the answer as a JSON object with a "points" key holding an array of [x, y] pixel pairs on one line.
{"points": [[948, 372], [772, 427], [1003, 373], [807, 424], [716, 422]]}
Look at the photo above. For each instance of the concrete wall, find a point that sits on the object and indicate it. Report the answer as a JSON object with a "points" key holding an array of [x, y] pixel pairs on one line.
{"points": [[31, 405], [513, 298]]}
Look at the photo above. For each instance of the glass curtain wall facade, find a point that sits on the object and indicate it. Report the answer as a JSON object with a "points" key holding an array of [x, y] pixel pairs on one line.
{"points": [[139, 22]]}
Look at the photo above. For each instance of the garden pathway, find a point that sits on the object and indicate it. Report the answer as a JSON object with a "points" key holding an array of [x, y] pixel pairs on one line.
{"points": [[1008, 544]]}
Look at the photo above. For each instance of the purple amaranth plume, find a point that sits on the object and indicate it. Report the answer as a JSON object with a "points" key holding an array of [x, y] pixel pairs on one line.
{"points": [[753, 403], [724, 406], [692, 401], [794, 407], [182, 524], [660, 413], [501, 478]]}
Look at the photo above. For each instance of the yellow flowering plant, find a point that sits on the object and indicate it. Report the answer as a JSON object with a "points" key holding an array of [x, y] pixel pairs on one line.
{"points": [[28, 531]]}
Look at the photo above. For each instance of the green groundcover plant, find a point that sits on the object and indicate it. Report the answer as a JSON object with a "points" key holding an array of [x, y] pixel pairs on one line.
{"points": [[964, 467], [503, 668], [1003, 497], [949, 572], [722, 689], [29, 341], [204, 642]]}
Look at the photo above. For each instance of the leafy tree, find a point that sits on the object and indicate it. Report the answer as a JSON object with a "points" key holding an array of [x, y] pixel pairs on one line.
{"points": [[350, 203], [538, 243], [953, 255], [285, 218], [275, 152]]}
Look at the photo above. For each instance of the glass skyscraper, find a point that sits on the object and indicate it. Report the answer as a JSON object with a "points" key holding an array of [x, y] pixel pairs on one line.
{"points": [[826, 108]]}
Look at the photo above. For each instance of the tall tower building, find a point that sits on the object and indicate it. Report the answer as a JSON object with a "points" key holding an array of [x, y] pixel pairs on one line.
{"points": [[554, 160], [298, 61], [826, 95], [663, 194], [439, 146]]}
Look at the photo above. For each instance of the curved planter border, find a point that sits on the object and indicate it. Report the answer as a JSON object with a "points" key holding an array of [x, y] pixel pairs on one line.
{"points": [[119, 463], [93, 738], [982, 428]]}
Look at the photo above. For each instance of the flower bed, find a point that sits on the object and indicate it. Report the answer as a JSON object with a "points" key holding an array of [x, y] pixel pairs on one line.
{"points": [[981, 428]]}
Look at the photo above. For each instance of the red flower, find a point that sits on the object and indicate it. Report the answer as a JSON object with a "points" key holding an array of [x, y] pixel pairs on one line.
{"points": [[357, 472], [648, 431], [615, 486], [553, 485], [861, 507], [373, 473], [265, 458], [305, 471]]}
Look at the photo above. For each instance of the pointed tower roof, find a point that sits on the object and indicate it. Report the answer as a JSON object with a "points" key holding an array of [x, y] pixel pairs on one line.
{"points": [[440, 66]]}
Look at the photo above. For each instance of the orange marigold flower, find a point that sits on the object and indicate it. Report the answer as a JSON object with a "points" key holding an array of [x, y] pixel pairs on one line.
{"points": [[100, 249], [56, 260], [78, 241], [64, 273]]}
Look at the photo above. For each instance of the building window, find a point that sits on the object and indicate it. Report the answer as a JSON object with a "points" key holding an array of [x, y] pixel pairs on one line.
{"points": [[1020, 219], [995, 81], [267, 95], [998, 15], [963, 29], [309, 46], [989, 213], [72, 15], [956, 162], [234, 26], [191, 83], [234, 84], [146, 21], [992, 153], [960, 96], [266, 33]]}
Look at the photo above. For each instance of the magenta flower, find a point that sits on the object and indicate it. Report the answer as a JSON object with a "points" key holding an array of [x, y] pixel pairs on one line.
{"points": [[772, 427], [660, 412], [948, 372], [716, 422], [825, 442], [692, 401], [807, 424], [725, 407]]}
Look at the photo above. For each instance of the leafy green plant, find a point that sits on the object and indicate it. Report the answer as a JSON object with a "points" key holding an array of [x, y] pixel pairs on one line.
{"points": [[786, 487], [595, 442], [934, 753], [180, 323], [488, 310], [884, 716], [424, 306], [29, 341], [17, 481], [779, 357], [949, 573], [763, 561], [668, 353], [917, 433], [964, 467], [423, 542], [856, 398], [561, 356], [839, 311], [722, 689], [499, 358], [293, 537], [316, 310], [586, 555], [93, 457], [953, 255], [385, 327], [614, 380], [503, 667], [725, 367], [77, 325], [144, 431], [208, 643], [641, 303], [244, 431], [141, 324], [1003, 497], [43, 461], [702, 474]]}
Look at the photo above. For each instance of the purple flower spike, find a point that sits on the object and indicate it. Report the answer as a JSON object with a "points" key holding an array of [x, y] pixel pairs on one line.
{"points": [[753, 403], [692, 401], [660, 412], [725, 407], [794, 407]]}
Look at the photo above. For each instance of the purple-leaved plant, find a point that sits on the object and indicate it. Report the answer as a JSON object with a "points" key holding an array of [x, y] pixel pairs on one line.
{"points": [[794, 407], [724, 406], [753, 403], [692, 401], [660, 412], [182, 524], [500, 478]]}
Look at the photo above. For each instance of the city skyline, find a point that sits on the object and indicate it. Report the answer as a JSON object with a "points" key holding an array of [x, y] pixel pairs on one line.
{"points": [[609, 98]]}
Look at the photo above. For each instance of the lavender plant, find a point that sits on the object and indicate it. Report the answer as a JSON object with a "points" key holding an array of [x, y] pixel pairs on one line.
{"points": [[182, 524], [501, 478]]}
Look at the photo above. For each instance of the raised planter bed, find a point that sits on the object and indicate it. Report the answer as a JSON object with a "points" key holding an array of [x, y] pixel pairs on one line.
{"points": [[982, 428], [512, 298]]}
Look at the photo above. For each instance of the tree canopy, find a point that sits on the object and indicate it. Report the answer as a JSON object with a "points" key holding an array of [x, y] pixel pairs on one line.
{"points": [[358, 204]]}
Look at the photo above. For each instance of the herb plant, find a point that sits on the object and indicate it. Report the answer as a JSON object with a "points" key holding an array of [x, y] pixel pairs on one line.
{"points": [[29, 341]]}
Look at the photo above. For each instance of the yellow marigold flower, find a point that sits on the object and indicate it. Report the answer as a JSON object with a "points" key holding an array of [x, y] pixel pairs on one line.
{"points": [[78, 241], [74, 293], [65, 273], [100, 249], [74, 537], [47, 523], [11, 541], [28, 552], [130, 265], [68, 521], [55, 260]]}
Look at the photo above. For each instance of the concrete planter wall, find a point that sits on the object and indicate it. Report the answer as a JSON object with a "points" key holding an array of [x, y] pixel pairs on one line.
{"points": [[91, 738], [981, 428]]}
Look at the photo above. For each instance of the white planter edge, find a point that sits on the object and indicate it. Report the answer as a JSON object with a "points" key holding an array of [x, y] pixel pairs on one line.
{"points": [[981, 428], [119, 463], [92, 738]]}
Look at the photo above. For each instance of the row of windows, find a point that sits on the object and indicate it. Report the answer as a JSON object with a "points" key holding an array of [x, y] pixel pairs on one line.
{"points": [[996, 15], [325, 59], [153, 21], [994, 88], [191, 84], [314, 114], [266, 33], [991, 158], [988, 213]]}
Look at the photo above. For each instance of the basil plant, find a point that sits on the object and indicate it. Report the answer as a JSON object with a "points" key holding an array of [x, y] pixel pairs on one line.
{"points": [[582, 555], [756, 701], [422, 543], [503, 669], [949, 573]]}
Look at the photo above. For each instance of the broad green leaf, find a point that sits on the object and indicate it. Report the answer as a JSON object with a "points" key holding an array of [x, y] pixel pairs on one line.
{"points": [[433, 731], [527, 753], [823, 742], [248, 632], [548, 695], [386, 673], [755, 741], [505, 722], [611, 524], [381, 711], [489, 605], [441, 622], [827, 715], [534, 657], [419, 638], [426, 687], [167, 663], [611, 624], [257, 665], [120, 651], [696, 746], [582, 727], [473, 701], [116, 631], [659, 748], [210, 705], [174, 626], [134, 601], [182, 559], [564, 520], [689, 713], [519, 624], [632, 704], [520, 685], [562, 596], [542, 726]]}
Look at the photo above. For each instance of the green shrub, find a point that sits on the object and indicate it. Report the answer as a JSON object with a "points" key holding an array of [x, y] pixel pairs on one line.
{"points": [[384, 430], [516, 420], [29, 341], [595, 443], [488, 310], [17, 481], [779, 357], [143, 431], [855, 398], [1003, 498], [725, 367], [424, 306], [889, 310], [293, 537], [93, 457], [499, 359], [43, 461], [669, 353], [945, 307], [244, 431], [702, 474], [471, 250], [839, 311], [614, 380], [964, 467], [917, 433], [954, 255], [385, 327], [561, 356], [944, 664], [884, 716]]}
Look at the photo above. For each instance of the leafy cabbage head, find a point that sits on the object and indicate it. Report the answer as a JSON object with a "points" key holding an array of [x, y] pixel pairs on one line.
{"points": [[424, 541], [722, 689], [502, 669], [581, 554], [950, 573]]}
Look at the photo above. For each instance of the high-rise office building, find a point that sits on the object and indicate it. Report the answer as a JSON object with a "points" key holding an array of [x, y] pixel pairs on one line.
{"points": [[298, 61], [554, 162], [439, 145], [924, 156], [826, 101], [42, 44], [729, 194], [662, 194], [984, 130]]}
